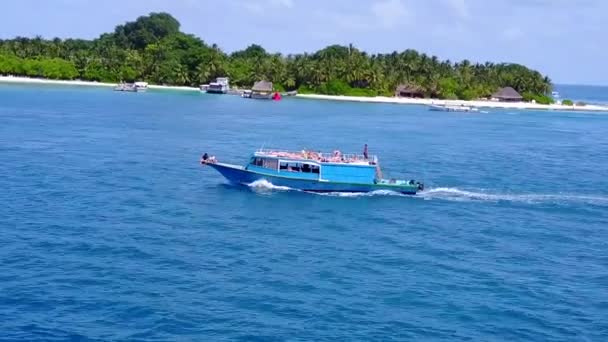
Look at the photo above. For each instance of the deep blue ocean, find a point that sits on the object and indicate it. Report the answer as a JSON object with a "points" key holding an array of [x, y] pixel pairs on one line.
{"points": [[585, 93], [111, 230]]}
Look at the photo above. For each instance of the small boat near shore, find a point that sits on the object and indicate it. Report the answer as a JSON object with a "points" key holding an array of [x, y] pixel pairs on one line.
{"points": [[452, 108], [220, 86], [313, 171], [132, 87]]}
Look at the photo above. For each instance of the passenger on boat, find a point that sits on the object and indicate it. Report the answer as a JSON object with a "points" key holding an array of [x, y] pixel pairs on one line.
{"points": [[336, 156], [365, 151]]}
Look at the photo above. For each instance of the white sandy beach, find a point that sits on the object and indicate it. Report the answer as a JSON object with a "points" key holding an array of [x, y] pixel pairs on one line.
{"points": [[28, 80], [479, 104], [377, 99]]}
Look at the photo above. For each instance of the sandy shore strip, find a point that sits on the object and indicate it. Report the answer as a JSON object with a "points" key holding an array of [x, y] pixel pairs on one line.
{"points": [[478, 104], [28, 80]]}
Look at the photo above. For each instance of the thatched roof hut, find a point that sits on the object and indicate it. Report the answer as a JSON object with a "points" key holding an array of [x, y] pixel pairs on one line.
{"points": [[507, 94], [408, 90], [262, 87]]}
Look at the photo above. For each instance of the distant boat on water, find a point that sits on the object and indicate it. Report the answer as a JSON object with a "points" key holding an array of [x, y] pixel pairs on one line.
{"points": [[556, 97], [132, 87], [220, 86], [452, 108]]}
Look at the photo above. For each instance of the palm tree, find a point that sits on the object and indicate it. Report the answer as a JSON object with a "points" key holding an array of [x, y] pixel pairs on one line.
{"points": [[181, 75], [202, 73]]}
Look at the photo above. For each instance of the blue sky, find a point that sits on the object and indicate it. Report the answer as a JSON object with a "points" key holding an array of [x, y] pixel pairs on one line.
{"points": [[565, 39]]}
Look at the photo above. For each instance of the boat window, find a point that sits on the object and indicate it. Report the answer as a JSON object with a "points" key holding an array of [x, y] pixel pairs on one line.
{"points": [[270, 163], [298, 167]]}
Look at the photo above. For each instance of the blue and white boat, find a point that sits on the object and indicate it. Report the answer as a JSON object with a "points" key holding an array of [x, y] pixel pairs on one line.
{"points": [[220, 86], [313, 171], [452, 108]]}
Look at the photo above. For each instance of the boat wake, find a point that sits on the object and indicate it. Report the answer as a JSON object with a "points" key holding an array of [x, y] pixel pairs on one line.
{"points": [[264, 185], [455, 194], [451, 194], [361, 194]]}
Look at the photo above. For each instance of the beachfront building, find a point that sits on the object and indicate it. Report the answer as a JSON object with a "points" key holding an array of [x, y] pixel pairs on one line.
{"points": [[407, 90], [262, 90], [507, 94]]}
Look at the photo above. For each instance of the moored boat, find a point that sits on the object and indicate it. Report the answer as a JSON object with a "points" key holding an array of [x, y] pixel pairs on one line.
{"points": [[220, 86], [132, 87], [313, 171], [141, 86], [452, 108]]}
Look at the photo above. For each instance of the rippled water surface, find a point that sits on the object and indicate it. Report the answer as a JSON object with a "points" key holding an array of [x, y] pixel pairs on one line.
{"points": [[111, 230]]}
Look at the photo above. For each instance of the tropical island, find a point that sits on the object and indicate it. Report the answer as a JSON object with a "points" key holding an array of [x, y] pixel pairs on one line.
{"points": [[152, 48]]}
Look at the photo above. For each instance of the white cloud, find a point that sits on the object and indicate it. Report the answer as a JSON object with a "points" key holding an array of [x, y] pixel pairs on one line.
{"points": [[259, 7], [254, 7], [351, 22], [512, 33], [283, 3], [389, 12], [459, 7], [382, 15]]}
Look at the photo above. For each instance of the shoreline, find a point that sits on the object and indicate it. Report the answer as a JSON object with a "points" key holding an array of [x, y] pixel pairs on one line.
{"points": [[377, 99], [476, 103], [29, 80]]}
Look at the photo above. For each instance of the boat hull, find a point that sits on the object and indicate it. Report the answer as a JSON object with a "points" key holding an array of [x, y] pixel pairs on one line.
{"points": [[444, 108], [257, 96], [239, 175]]}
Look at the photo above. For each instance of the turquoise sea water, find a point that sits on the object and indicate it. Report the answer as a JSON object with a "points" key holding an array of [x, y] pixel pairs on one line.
{"points": [[111, 230], [588, 94]]}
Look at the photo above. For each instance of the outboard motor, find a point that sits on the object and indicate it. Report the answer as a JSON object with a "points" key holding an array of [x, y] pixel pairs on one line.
{"points": [[419, 185]]}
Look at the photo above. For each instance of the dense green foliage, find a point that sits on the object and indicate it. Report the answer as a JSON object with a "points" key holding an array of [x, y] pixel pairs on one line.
{"points": [[538, 98], [567, 102], [152, 48]]}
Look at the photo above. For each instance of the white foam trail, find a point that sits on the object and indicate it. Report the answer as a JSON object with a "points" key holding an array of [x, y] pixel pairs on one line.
{"points": [[452, 194], [359, 194], [455, 194], [263, 184]]}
